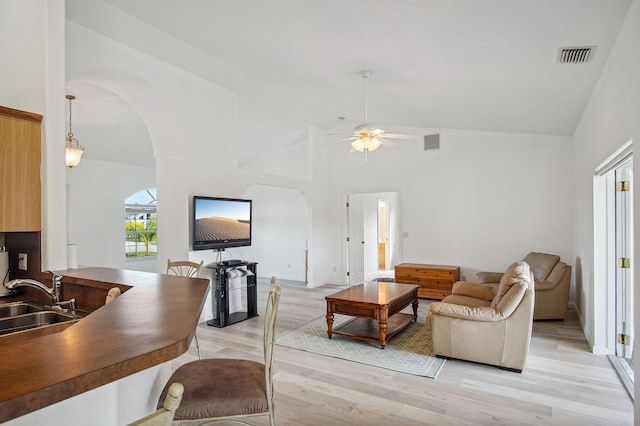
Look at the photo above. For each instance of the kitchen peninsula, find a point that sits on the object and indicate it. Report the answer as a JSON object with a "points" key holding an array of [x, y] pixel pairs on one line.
{"points": [[151, 323]]}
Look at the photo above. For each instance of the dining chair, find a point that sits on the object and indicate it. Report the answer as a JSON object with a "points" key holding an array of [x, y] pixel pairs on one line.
{"points": [[223, 389]]}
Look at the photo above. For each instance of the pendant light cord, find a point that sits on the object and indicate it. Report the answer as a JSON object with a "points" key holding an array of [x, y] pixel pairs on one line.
{"points": [[70, 98]]}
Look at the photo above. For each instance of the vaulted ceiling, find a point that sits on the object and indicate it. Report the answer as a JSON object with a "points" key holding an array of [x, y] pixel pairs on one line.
{"points": [[459, 64]]}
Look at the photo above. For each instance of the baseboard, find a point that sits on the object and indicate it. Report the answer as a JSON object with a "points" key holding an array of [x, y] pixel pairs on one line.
{"points": [[281, 277], [318, 284], [573, 306], [596, 350]]}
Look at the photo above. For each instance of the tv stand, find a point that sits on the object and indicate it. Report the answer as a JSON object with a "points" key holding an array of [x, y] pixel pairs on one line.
{"points": [[222, 294]]}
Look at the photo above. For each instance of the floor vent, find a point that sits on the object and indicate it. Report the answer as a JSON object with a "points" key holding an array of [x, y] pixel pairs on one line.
{"points": [[576, 55], [431, 142]]}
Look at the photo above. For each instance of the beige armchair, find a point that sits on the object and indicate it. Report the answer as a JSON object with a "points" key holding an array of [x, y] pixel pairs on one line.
{"points": [[486, 324], [552, 283]]}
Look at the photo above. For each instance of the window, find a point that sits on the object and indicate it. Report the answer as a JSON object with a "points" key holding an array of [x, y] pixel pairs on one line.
{"points": [[141, 225]]}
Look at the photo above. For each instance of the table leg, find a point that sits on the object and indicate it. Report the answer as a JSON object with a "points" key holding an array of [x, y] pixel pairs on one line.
{"points": [[329, 324], [415, 309], [382, 327]]}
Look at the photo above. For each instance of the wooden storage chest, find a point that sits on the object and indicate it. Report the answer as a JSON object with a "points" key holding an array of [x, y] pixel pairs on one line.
{"points": [[435, 281]]}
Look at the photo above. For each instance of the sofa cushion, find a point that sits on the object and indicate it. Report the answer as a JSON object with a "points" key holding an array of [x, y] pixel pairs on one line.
{"points": [[478, 291], [458, 299], [541, 264], [517, 273]]}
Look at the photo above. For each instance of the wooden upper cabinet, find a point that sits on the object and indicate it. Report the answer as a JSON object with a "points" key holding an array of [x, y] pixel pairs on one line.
{"points": [[20, 171]]}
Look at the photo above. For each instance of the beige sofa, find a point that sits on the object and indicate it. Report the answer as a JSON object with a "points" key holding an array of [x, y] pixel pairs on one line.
{"points": [[486, 324], [552, 283]]}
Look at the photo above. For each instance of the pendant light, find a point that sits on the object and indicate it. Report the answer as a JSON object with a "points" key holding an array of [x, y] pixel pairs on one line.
{"points": [[74, 151]]}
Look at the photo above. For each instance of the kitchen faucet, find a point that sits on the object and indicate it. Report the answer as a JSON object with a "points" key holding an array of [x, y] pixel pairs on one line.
{"points": [[54, 293], [56, 281]]}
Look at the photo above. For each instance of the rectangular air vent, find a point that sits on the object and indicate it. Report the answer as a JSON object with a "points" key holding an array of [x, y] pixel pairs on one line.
{"points": [[576, 55], [431, 142]]}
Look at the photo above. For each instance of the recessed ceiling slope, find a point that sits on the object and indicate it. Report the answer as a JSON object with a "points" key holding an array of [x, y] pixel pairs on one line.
{"points": [[465, 64]]}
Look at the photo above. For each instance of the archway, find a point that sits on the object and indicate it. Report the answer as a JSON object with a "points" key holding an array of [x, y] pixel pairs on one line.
{"points": [[281, 231], [125, 127]]}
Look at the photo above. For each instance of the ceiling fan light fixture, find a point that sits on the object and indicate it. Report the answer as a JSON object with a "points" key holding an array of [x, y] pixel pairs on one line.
{"points": [[368, 138], [358, 145], [366, 142]]}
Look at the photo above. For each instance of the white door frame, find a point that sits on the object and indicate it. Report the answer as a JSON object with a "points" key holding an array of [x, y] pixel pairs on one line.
{"points": [[603, 326], [394, 221]]}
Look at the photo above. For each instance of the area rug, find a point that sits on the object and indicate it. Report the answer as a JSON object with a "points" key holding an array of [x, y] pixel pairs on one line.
{"points": [[385, 279], [409, 351]]}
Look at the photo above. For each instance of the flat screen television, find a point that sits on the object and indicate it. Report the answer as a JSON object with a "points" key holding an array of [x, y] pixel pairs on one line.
{"points": [[220, 223]]}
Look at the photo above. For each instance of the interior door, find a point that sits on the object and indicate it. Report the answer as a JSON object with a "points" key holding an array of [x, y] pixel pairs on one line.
{"points": [[624, 265], [355, 218]]}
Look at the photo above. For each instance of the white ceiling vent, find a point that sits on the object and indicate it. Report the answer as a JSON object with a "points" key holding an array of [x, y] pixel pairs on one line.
{"points": [[576, 55]]}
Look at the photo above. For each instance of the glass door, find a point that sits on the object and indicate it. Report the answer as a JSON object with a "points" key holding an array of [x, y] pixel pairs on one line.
{"points": [[624, 267]]}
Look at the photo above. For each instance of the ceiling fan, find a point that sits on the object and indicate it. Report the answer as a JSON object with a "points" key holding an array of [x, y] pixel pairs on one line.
{"points": [[367, 138]]}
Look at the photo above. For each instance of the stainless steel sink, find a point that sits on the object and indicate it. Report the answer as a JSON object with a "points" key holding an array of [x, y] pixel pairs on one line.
{"points": [[18, 308], [33, 320]]}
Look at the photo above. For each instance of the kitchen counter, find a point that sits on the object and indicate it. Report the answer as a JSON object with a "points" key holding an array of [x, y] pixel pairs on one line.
{"points": [[152, 322]]}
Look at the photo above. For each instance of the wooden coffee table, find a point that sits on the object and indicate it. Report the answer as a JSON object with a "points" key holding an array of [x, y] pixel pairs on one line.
{"points": [[376, 306]]}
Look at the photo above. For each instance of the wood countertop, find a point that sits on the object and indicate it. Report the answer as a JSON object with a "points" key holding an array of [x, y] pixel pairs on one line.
{"points": [[152, 322]]}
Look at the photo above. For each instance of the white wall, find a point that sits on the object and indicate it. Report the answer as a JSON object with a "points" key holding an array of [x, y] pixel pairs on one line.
{"points": [[483, 201], [97, 191], [281, 227], [610, 119]]}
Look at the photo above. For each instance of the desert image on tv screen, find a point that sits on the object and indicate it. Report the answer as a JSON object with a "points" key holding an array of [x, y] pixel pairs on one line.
{"points": [[221, 220]]}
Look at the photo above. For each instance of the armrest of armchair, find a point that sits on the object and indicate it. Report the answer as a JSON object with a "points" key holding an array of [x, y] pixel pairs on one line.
{"points": [[475, 290], [504, 309], [489, 277], [478, 313]]}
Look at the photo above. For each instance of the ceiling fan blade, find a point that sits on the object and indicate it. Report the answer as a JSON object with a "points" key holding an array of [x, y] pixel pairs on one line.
{"points": [[401, 136], [388, 143], [352, 138]]}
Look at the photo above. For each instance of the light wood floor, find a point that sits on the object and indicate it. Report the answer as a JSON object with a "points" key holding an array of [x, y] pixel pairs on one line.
{"points": [[562, 384]]}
